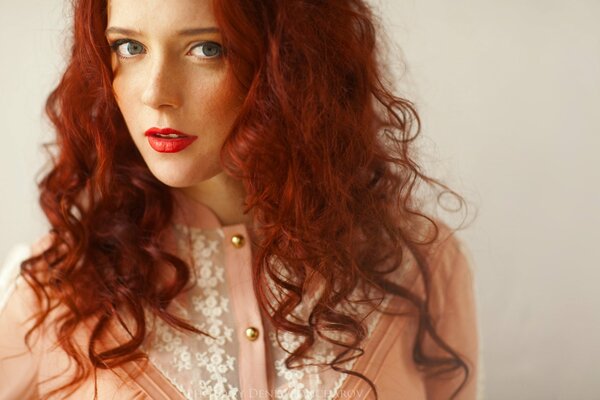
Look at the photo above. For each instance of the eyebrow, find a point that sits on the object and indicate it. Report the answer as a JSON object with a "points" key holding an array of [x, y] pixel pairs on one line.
{"points": [[183, 32]]}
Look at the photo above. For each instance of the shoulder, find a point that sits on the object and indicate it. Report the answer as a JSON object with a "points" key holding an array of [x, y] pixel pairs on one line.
{"points": [[18, 301], [447, 255], [26, 372], [10, 269], [440, 251], [16, 295], [11, 280], [450, 263], [19, 359], [440, 269]]}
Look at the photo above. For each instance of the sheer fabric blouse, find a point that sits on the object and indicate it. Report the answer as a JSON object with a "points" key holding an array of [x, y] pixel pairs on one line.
{"points": [[246, 358]]}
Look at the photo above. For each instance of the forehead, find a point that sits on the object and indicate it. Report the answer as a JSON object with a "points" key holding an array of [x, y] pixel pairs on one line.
{"points": [[176, 14]]}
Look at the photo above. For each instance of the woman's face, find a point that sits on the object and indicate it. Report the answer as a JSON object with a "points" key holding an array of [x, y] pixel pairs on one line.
{"points": [[170, 72]]}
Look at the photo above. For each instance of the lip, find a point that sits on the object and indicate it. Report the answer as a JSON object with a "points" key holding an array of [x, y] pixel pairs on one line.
{"points": [[165, 145]]}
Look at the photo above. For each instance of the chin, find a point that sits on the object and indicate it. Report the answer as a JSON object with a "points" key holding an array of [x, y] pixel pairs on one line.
{"points": [[176, 181], [176, 178]]}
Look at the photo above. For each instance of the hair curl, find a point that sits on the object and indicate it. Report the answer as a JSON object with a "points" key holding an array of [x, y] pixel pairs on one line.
{"points": [[323, 148]]}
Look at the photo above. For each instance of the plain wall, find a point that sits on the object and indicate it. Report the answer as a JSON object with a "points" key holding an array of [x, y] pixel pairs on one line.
{"points": [[507, 91]]}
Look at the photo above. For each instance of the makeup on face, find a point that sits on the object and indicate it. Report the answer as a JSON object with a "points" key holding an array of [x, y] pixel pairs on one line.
{"points": [[168, 140]]}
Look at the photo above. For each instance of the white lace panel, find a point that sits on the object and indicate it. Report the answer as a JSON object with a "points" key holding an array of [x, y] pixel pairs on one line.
{"points": [[199, 366], [203, 368]]}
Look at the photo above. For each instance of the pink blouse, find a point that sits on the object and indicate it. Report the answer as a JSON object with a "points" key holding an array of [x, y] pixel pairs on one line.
{"points": [[246, 360]]}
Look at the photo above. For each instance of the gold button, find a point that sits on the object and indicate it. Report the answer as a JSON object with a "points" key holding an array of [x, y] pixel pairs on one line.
{"points": [[237, 241], [252, 333]]}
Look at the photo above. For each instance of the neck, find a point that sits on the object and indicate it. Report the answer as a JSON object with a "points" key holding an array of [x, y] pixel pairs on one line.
{"points": [[223, 195]]}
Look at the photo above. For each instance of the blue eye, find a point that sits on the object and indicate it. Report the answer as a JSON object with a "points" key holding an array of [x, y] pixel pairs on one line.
{"points": [[127, 48], [133, 48], [209, 49]]}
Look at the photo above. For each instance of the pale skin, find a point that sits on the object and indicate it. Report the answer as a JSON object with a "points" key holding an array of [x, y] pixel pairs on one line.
{"points": [[164, 79]]}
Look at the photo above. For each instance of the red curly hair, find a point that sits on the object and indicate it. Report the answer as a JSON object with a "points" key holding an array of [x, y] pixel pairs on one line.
{"points": [[323, 148]]}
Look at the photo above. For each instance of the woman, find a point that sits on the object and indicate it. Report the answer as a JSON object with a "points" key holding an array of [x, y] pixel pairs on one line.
{"points": [[234, 216]]}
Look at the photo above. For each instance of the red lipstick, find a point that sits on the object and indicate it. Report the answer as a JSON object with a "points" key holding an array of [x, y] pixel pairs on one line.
{"points": [[167, 140]]}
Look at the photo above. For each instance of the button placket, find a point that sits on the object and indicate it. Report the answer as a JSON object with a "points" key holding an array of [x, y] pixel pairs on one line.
{"points": [[238, 241], [252, 361]]}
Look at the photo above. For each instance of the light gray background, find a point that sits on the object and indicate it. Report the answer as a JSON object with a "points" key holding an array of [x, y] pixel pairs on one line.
{"points": [[507, 92]]}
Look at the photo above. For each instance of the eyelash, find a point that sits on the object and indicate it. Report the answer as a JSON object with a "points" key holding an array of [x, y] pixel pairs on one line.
{"points": [[114, 46]]}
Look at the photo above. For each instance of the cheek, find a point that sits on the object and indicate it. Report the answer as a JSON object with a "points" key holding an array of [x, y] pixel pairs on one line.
{"points": [[233, 95], [220, 102], [117, 88], [122, 90], [124, 86], [117, 79]]}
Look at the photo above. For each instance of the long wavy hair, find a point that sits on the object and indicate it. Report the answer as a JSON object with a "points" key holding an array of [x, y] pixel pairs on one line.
{"points": [[324, 149]]}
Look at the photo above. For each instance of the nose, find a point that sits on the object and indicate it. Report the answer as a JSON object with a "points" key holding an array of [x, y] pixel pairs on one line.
{"points": [[161, 89]]}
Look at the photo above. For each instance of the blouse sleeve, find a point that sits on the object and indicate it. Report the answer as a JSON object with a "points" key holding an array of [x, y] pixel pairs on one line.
{"points": [[454, 311], [18, 364]]}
